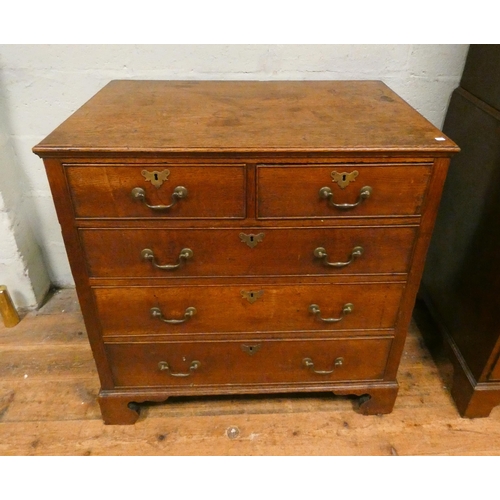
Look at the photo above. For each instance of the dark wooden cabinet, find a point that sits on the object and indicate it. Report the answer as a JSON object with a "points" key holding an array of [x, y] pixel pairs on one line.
{"points": [[246, 237], [461, 282]]}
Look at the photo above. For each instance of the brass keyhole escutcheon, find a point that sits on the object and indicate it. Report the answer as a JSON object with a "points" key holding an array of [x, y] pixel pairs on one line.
{"points": [[343, 179], [251, 239], [251, 349], [156, 177], [252, 295]]}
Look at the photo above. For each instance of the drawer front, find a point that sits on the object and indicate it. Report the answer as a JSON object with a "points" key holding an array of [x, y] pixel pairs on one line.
{"points": [[231, 252], [251, 362], [246, 308], [214, 192], [297, 191]]}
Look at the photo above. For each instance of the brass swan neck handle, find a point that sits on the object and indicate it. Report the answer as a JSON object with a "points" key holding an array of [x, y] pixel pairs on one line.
{"points": [[185, 254], [180, 192], [327, 194], [320, 253]]}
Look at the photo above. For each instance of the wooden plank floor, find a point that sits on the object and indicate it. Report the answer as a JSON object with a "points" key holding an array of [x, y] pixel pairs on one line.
{"points": [[49, 384]]}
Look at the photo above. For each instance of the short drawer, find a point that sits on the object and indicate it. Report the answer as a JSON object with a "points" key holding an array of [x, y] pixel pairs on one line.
{"points": [[174, 310], [247, 362], [340, 190], [215, 192], [172, 253]]}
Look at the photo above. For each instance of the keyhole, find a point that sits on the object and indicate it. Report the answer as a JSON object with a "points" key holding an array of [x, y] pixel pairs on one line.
{"points": [[250, 348], [251, 238], [344, 177], [251, 296], [156, 177]]}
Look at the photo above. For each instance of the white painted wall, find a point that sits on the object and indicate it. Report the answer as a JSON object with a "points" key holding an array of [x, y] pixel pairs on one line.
{"points": [[44, 84], [22, 268]]}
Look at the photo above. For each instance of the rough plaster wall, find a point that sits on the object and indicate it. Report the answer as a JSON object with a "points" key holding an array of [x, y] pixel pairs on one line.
{"points": [[22, 268], [44, 84]]}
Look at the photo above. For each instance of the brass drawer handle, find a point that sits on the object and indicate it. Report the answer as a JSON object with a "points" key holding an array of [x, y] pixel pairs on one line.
{"points": [[147, 254], [326, 193], [308, 363], [188, 314], [347, 309], [165, 367], [179, 193], [320, 253]]}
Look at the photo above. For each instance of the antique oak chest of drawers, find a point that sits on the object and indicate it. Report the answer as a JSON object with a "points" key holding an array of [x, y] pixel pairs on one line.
{"points": [[246, 237]]}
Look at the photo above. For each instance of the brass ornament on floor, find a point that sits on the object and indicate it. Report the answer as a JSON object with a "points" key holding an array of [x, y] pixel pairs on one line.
{"points": [[9, 313]]}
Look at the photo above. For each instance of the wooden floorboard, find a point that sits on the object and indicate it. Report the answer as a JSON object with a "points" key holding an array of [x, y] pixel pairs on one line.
{"points": [[49, 384]]}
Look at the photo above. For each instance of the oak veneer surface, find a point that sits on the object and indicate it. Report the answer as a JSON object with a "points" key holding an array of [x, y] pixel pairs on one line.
{"points": [[105, 191], [244, 116], [221, 308], [250, 159], [115, 252], [135, 364], [284, 191]]}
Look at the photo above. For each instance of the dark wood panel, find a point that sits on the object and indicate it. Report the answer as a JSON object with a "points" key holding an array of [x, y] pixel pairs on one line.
{"points": [[105, 191], [126, 311], [294, 191], [462, 274], [223, 252], [495, 372], [271, 362], [481, 76]]}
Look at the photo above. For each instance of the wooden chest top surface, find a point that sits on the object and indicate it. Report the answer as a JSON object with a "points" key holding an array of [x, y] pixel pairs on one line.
{"points": [[130, 116]]}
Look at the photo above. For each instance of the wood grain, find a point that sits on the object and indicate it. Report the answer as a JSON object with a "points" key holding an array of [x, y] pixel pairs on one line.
{"points": [[116, 253], [63, 418], [271, 362], [160, 116], [289, 191], [222, 308], [105, 192], [221, 134]]}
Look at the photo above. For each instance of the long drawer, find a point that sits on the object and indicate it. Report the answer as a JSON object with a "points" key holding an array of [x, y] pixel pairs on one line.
{"points": [[174, 310], [196, 192], [172, 253], [247, 362], [313, 191]]}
